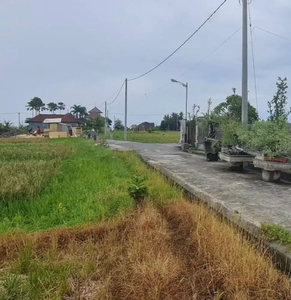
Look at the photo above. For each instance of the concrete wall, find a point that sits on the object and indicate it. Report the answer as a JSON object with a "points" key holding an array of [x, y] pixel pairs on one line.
{"points": [[54, 135]]}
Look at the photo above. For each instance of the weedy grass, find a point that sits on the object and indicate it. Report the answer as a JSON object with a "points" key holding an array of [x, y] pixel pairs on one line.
{"points": [[274, 232], [149, 137], [181, 251], [166, 248], [25, 168], [88, 186]]}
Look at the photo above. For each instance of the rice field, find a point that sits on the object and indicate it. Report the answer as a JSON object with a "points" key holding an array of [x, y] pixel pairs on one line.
{"points": [[149, 137], [26, 167], [69, 230]]}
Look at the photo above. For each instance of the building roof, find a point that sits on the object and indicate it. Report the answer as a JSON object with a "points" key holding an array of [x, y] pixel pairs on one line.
{"points": [[54, 120], [67, 118], [95, 110]]}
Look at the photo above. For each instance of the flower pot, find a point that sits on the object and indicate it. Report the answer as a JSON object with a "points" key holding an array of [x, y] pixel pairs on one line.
{"points": [[281, 160]]}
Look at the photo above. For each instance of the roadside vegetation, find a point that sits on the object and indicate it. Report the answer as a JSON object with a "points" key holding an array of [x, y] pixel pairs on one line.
{"points": [[105, 226], [149, 136]]}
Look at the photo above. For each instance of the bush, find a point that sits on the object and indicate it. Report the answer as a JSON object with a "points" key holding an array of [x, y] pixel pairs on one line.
{"points": [[137, 189], [272, 138]]}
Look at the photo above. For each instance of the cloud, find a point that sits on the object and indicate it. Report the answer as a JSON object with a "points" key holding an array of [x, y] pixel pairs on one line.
{"points": [[79, 52]]}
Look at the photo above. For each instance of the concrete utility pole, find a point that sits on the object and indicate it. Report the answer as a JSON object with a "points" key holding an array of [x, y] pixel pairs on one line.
{"points": [[186, 117], [245, 64], [105, 119], [125, 112], [19, 119]]}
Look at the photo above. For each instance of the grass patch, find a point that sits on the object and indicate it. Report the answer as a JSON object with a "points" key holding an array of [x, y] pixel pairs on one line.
{"points": [[149, 137], [276, 233], [88, 186], [25, 168], [165, 249], [181, 251]]}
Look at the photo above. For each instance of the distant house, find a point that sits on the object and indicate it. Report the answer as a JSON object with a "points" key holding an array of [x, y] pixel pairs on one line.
{"points": [[145, 126], [133, 127], [94, 113], [44, 121]]}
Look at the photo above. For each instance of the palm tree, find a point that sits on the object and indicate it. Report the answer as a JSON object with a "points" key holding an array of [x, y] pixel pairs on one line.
{"points": [[52, 107], [83, 112], [76, 110], [61, 106], [35, 104]]}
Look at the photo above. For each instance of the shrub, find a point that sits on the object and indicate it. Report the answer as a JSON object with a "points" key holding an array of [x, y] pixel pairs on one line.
{"points": [[272, 138], [138, 189]]}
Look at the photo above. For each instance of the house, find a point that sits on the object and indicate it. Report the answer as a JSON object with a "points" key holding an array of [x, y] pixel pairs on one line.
{"points": [[53, 125], [145, 126], [94, 113], [133, 127]]}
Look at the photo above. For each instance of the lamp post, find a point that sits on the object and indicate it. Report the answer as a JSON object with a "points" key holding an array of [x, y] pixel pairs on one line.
{"points": [[186, 112], [186, 86]]}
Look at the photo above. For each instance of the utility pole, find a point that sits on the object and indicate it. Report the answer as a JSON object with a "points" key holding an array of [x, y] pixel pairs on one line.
{"points": [[19, 119], [105, 119], [186, 102], [245, 64], [125, 112]]}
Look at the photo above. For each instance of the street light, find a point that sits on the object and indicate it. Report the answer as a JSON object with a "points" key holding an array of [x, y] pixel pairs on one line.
{"points": [[186, 86]]}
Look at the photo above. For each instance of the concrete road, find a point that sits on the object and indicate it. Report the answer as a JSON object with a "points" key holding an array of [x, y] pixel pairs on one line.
{"points": [[242, 196]]}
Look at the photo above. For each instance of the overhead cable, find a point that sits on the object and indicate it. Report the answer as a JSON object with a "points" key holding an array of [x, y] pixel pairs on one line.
{"points": [[151, 92], [181, 44]]}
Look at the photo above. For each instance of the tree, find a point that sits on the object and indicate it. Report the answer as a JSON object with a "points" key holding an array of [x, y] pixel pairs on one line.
{"points": [[61, 106], [231, 108], [52, 107], [118, 125], [171, 122], [83, 112], [277, 106], [75, 110], [94, 123], [79, 111], [35, 104]]}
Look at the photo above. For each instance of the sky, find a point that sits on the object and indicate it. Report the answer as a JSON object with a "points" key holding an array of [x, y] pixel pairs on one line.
{"points": [[80, 52]]}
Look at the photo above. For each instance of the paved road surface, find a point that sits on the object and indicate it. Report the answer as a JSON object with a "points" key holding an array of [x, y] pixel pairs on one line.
{"points": [[243, 194]]}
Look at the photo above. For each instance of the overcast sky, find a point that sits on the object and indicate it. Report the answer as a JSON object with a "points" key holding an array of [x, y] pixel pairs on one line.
{"points": [[80, 52]]}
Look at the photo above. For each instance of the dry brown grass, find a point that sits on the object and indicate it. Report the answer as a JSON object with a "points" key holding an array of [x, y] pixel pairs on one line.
{"points": [[23, 140], [181, 252]]}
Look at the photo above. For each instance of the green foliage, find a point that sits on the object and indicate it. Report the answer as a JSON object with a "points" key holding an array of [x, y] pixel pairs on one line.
{"points": [[231, 133], [12, 288], [35, 104], [171, 121], [52, 107], [232, 109], [61, 106], [277, 107], [276, 233], [118, 125], [79, 111], [94, 123], [137, 189], [271, 138]]}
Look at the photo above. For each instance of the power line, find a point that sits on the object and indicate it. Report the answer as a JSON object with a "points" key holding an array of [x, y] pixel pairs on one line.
{"points": [[211, 52], [253, 56], [217, 48], [117, 94], [181, 44], [277, 35], [112, 95]]}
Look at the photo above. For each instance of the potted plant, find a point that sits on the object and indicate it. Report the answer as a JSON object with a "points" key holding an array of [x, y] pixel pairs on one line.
{"points": [[273, 140], [232, 144]]}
